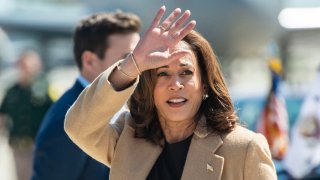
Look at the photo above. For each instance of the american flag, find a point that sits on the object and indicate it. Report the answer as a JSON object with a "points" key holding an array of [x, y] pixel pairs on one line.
{"points": [[273, 123]]}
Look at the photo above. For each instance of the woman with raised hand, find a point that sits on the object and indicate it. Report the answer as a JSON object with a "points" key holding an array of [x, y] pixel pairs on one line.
{"points": [[181, 123]]}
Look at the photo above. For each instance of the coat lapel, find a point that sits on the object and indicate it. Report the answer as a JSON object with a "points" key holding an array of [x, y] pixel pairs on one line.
{"points": [[136, 161], [202, 162]]}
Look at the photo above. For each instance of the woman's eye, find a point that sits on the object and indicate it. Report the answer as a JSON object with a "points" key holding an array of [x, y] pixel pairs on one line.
{"points": [[187, 72], [162, 74]]}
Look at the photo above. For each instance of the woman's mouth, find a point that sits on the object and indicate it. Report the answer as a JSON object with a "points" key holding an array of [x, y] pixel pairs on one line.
{"points": [[176, 102]]}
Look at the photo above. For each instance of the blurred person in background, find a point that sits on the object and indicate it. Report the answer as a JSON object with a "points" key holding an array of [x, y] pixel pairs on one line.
{"points": [[7, 163], [99, 41], [23, 108]]}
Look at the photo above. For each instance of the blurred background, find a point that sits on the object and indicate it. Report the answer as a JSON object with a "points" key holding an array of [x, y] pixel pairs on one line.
{"points": [[245, 34]]}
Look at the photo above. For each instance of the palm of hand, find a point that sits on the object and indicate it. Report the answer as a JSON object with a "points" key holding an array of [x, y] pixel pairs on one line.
{"points": [[153, 50]]}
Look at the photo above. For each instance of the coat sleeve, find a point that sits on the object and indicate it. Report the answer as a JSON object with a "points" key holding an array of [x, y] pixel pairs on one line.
{"points": [[258, 163], [87, 120]]}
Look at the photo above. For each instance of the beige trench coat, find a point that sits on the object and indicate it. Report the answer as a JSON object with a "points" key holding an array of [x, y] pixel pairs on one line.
{"points": [[241, 154]]}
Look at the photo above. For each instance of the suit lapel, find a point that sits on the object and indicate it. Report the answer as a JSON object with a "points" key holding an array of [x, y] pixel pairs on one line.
{"points": [[202, 162], [139, 158], [150, 153]]}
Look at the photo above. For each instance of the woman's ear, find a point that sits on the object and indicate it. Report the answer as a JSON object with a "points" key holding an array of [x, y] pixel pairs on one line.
{"points": [[205, 89], [205, 92]]}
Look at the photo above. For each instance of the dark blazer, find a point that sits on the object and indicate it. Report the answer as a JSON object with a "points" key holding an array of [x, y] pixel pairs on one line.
{"points": [[55, 155]]}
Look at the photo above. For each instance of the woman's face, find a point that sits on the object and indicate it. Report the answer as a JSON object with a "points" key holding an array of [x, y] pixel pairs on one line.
{"points": [[178, 91]]}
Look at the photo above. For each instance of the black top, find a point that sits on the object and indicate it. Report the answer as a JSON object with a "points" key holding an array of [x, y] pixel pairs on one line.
{"points": [[171, 161]]}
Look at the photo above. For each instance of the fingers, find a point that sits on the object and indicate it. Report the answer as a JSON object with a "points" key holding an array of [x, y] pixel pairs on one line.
{"points": [[186, 30], [156, 21], [179, 23], [163, 59], [177, 54], [166, 24], [169, 23], [161, 36], [177, 31]]}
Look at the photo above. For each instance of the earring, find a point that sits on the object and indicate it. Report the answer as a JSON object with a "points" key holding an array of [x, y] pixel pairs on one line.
{"points": [[205, 96]]}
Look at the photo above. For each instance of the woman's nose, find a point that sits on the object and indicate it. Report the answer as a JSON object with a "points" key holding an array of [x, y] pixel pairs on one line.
{"points": [[175, 84]]}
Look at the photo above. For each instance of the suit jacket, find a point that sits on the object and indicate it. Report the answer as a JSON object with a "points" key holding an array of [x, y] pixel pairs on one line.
{"points": [[240, 154], [55, 155]]}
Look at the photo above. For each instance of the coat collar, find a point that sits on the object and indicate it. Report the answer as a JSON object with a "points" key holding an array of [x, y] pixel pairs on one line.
{"points": [[202, 130], [201, 162]]}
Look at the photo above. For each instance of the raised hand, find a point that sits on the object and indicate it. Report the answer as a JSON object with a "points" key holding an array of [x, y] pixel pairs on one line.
{"points": [[152, 50], [155, 47]]}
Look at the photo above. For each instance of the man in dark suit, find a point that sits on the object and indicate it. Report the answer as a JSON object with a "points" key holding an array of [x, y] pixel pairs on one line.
{"points": [[99, 41]]}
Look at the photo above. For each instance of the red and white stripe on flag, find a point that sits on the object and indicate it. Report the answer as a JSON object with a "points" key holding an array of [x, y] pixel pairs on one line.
{"points": [[274, 126]]}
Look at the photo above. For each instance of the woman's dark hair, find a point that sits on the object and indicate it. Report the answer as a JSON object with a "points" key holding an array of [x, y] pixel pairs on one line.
{"points": [[217, 108]]}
